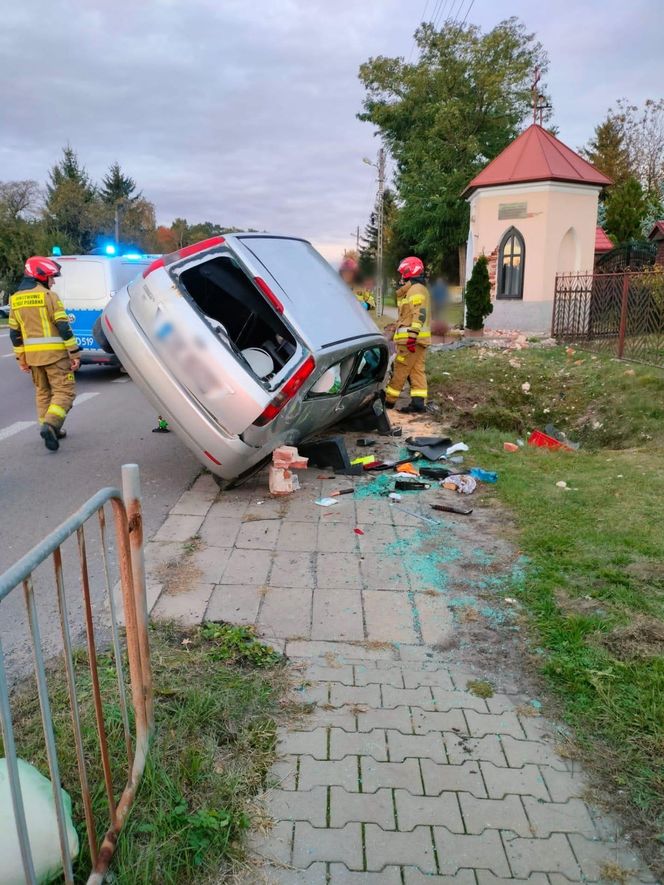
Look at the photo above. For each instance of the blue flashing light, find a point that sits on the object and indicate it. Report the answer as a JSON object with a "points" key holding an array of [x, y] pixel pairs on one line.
{"points": [[110, 249], [134, 256], [56, 250]]}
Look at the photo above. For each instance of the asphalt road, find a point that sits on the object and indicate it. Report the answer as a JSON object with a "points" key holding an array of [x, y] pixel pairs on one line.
{"points": [[110, 425]]}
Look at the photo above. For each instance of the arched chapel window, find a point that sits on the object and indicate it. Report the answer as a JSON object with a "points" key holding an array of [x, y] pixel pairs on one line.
{"points": [[511, 265]]}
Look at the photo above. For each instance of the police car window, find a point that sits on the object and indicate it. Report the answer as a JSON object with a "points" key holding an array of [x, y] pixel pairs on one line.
{"points": [[85, 280]]}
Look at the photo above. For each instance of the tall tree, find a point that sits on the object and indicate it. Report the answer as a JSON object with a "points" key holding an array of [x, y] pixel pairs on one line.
{"points": [[116, 187], [72, 204], [445, 116], [626, 209], [19, 199], [608, 152]]}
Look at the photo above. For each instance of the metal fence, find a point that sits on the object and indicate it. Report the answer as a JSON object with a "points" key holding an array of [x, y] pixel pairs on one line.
{"points": [[127, 519], [616, 313]]}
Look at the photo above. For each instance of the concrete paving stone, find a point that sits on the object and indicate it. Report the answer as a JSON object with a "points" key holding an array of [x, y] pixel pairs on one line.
{"points": [[538, 728], [593, 854], [274, 845], [234, 604], [298, 536], [418, 654], [408, 697], [434, 720], [343, 845], [340, 875], [461, 748], [336, 537], [358, 743], [484, 877], [404, 775], [333, 571], [247, 567], [259, 534], [408, 849], [372, 675], [376, 808], [461, 677], [377, 537], [314, 693], [398, 719], [179, 528], [303, 508], [381, 572], [209, 563], [526, 781], [564, 785], [342, 773], [458, 700], [341, 651], [494, 814], [187, 608], [459, 851], [519, 752], [367, 695], [191, 503], [291, 569], [283, 773], [342, 511], [309, 743], [160, 553], [309, 805], [552, 855], [370, 511], [435, 617], [330, 717], [337, 614], [232, 504], [559, 817], [285, 611], [443, 778], [425, 746], [206, 486], [219, 531], [505, 703], [439, 678], [414, 877], [324, 673], [388, 618], [400, 519], [480, 724], [439, 811], [269, 874]]}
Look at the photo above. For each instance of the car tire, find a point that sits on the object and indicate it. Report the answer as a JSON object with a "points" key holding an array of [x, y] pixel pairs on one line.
{"points": [[100, 337]]}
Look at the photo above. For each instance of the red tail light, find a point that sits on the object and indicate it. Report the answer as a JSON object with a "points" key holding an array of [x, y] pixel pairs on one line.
{"points": [[212, 458], [287, 392], [269, 294], [185, 252], [108, 322]]}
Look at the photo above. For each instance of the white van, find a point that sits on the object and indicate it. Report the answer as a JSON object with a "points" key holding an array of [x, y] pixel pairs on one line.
{"points": [[86, 284]]}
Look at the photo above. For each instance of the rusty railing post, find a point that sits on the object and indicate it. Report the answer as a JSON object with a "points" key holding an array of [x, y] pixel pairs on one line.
{"points": [[623, 315], [131, 492]]}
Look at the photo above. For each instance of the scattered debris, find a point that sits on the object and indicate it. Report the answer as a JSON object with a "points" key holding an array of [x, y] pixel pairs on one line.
{"points": [[450, 508], [457, 447], [363, 460], [408, 467], [525, 387], [358, 531], [341, 492], [462, 483], [282, 480], [328, 453], [483, 475], [365, 442], [510, 447], [544, 441], [411, 485], [394, 496], [326, 502], [162, 426], [561, 484]]}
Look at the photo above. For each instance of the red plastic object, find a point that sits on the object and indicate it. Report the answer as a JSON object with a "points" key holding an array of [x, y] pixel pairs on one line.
{"points": [[544, 441], [358, 531]]}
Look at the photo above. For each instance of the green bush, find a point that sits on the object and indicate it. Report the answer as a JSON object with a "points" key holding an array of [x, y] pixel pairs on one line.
{"points": [[478, 295]]}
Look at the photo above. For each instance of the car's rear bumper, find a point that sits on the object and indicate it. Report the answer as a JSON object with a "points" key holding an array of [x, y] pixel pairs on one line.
{"points": [[227, 456]]}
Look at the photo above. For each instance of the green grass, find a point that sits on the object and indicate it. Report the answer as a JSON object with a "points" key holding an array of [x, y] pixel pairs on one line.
{"points": [[594, 583], [216, 692]]}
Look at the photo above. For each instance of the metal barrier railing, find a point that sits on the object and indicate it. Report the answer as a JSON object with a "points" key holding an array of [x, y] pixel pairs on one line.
{"points": [[128, 524]]}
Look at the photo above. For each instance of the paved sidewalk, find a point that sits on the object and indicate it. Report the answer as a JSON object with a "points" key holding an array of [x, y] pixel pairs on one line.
{"points": [[402, 773]]}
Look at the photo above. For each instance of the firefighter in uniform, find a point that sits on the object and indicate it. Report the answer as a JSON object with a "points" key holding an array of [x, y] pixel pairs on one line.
{"points": [[412, 337], [44, 346], [349, 273]]}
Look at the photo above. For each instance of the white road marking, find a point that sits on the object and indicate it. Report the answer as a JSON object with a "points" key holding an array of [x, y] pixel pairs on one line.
{"points": [[5, 356], [6, 432], [84, 397], [120, 380]]}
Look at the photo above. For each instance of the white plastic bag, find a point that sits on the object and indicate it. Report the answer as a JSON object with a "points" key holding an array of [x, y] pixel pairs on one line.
{"points": [[42, 826]]}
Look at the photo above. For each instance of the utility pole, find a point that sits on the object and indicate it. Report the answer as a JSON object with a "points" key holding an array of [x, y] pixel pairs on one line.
{"points": [[117, 225], [356, 234], [379, 238]]}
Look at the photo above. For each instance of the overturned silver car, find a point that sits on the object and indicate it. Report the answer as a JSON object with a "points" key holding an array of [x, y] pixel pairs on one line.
{"points": [[244, 343]]}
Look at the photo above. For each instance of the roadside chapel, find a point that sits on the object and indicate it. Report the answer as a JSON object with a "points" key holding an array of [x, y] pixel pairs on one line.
{"points": [[533, 213]]}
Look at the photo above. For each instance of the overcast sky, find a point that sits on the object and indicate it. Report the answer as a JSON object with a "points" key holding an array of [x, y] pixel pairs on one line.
{"points": [[243, 111]]}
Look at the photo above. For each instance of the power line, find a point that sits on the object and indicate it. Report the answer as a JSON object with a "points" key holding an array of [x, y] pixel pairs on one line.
{"points": [[470, 6], [424, 12]]}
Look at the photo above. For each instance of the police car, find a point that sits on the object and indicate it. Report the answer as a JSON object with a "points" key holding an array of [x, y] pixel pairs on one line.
{"points": [[86, 284]]}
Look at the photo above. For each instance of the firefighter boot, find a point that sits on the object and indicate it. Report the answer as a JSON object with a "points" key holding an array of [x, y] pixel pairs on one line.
{"points": [[50, 436]]}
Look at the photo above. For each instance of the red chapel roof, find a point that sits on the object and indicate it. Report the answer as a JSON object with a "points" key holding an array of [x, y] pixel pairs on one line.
{"points": [[536, 155], [602, 242]]}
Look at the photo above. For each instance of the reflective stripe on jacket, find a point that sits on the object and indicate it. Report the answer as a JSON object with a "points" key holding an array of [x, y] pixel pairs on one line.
{"points": [[39, 326], [414, 320]]}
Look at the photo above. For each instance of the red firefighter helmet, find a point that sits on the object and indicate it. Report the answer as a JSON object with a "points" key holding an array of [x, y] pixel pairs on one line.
{"points": [[348, 265], [411, 267], [41, 269]]}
